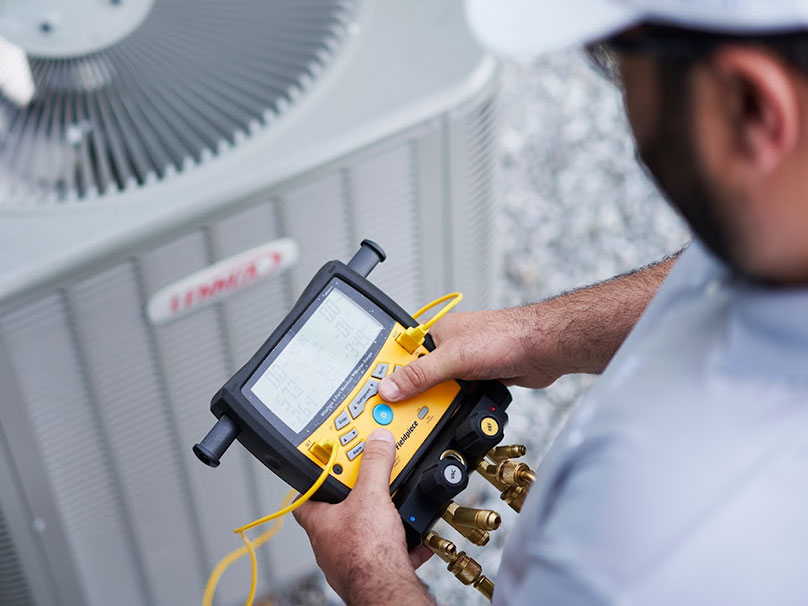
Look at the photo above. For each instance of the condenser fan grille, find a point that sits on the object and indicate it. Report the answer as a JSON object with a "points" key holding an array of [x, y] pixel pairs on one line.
{"points": [[193, 80]]}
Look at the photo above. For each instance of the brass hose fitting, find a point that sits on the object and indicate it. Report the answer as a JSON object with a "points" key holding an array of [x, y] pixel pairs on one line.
{"points": [[469, 517], [512, 451], [443, 548], [511, 473], [474, 534], [467, 570], [506, 473], [486, 587], [528, 477], [489, 472], [515, 497]]}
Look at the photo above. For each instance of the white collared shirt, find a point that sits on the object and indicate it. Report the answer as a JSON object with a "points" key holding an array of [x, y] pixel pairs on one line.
{"points": [[682, 476]]}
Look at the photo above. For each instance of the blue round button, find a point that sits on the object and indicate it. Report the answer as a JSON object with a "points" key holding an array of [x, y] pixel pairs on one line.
{"points": [[383, 414]]}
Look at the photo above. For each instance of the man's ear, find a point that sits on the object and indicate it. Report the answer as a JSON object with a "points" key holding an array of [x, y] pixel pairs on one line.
{"points": [[762, 104]]}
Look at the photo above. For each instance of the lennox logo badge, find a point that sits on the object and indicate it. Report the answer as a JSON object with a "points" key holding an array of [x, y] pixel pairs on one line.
{"points": [[221, 280]]}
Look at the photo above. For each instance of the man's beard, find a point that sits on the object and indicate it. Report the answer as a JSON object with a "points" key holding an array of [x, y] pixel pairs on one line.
{"points": [[672, 160]]}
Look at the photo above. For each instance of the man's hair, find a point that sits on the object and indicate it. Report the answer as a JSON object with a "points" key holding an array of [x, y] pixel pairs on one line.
{"points": [[791, 46]]}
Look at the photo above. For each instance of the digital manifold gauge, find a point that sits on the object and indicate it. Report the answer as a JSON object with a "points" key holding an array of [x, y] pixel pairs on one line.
{"points": [[317, 377]]}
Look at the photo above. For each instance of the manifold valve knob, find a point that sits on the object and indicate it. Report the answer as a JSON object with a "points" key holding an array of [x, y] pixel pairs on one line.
{"points": [[478, 434], [444, 480]]}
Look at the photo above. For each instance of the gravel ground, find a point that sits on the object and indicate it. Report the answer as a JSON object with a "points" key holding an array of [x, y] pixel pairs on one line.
{"points": [[575, 208]]}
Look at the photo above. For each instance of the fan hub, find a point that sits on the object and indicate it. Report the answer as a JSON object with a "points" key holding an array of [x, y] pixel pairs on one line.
{"points": [[54, 28]]}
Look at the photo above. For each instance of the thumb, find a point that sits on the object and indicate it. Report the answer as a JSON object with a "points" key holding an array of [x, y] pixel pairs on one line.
{"points": [[377, 463], [307, 513], [417, 376]]}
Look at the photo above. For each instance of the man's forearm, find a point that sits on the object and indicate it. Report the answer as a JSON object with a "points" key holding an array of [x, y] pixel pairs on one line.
{"points": [[589, 324], [534, 345], [406, 590]]}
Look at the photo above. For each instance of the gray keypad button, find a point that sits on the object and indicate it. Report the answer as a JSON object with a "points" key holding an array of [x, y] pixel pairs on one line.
{"points": [[347, 437], [357, 405], [371, 388], [356, 451], [380, 371], [342, 420], [423, 412]]}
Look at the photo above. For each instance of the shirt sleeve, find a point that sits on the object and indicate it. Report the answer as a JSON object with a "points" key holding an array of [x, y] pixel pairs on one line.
{"points": [[590, 529]]}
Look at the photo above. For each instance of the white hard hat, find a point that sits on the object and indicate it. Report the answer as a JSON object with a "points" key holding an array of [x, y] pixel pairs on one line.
{"points": [[526, 28]]}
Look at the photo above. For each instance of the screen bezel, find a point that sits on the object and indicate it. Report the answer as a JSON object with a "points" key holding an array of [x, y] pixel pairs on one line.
{"points": [[350, 381], [273, 449]]}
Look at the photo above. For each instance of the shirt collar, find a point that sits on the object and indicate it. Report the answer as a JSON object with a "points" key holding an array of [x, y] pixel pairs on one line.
{"points": [[766, 325]]}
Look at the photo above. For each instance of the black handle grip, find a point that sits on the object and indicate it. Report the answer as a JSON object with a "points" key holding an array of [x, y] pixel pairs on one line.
{"points": [[219, 439], [366, 258]]}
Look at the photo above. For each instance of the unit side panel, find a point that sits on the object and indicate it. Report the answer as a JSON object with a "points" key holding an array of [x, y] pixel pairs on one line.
{"points": [[431, 196], [13, 584], [250, 316], [52, 376], [473, 137], [192, 355], [383, 195], [316, 215], [254, 313], [110, 321]]}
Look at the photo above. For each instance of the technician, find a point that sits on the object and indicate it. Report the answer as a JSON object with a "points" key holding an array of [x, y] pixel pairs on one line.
{"points": [[682, 476]]}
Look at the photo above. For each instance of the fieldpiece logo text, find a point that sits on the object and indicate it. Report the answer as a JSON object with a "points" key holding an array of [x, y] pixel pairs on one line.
{"points": [[406, 435]]}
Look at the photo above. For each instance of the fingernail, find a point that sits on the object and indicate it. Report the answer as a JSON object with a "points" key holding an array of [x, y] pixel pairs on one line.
{"points": [[388, 390], [385, 435]]}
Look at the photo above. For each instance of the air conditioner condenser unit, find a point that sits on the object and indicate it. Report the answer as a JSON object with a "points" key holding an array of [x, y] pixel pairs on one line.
{"points": [[163, 140]]}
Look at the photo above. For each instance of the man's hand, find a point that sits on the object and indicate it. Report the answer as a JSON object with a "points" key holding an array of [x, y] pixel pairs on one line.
{"points": [[359, 543], [532, 346], [479, 345]]}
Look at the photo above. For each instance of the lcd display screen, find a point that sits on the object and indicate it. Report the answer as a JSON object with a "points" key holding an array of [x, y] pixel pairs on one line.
{"points": [[317, 360]]}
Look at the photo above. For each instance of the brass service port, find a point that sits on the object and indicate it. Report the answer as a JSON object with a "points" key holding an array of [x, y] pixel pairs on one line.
{"points": [[512, 451], [506, 473], [443, 548], [515, 497], [469, 517], [475, 535], [512, 473], [489, 472]]}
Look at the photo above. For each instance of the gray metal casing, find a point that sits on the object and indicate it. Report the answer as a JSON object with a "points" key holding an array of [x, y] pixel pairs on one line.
{"points": [[101, 499]]}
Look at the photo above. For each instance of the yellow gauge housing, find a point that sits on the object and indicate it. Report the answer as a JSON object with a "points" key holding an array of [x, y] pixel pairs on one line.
{"points": [[411, 421]]}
